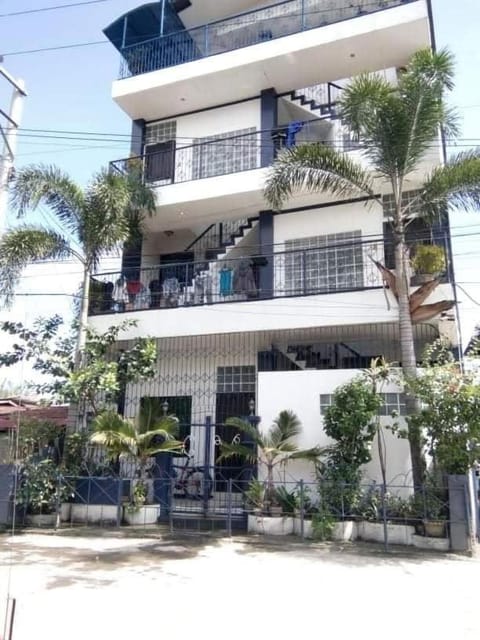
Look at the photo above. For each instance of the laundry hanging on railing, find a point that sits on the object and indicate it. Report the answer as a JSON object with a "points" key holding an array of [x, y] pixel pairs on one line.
{"points": [[226, 281], [244, 279], [292, 129]]}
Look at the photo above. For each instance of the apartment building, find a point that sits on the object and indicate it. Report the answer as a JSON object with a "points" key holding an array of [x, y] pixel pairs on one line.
{"points": [[256, 311]]}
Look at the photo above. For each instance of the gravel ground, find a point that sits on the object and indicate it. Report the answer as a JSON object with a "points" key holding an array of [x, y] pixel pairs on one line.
{"points": [[78, 587]]}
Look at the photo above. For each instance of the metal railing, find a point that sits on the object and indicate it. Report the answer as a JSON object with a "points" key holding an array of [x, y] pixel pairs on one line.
{"points": [[214, 499], [243, 30], [183, 162], [319, 270]]}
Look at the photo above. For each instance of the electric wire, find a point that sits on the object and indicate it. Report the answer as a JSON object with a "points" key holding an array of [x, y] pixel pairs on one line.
{"points": [[54, 8]]}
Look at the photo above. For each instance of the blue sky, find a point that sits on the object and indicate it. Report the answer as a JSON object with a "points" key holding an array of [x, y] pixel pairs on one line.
{"points": [[70, 90]]}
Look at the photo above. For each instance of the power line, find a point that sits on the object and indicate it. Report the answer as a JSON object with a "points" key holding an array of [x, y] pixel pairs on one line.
{"points": [[54, 8]]}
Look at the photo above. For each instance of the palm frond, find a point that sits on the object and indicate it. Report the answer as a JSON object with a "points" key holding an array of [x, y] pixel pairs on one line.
{"points": [[228, 451], [456, 184], [399, 125], [244, 427], [285, 427], [163, 447], [20, 247], [311, 455], [37, 184], [313, 168], [104, 225]]}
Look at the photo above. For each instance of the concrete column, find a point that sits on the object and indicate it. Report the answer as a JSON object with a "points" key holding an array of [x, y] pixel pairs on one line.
{"points": [[265, 231], [458, 500], [269, 121]]}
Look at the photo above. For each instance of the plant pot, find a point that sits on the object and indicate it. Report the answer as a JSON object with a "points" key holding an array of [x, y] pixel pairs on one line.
{"points": [[102, 514], [421, 278], [148, 514], [434, 528], [267, 525], [275, 510]]}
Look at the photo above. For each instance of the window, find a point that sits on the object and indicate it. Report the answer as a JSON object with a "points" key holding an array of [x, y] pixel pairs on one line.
{"points": [[390, 402], [325, 402], [160, 132], [236, 379], [324, 263], [407, 197], [160, 152], [225, 153], [393, 402]]}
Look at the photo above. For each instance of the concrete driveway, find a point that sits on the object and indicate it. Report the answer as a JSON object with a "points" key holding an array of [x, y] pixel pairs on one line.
{"points": [[86, 587]]}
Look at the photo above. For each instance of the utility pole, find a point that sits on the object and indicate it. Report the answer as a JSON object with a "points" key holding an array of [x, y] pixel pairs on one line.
{"points": [[8, 133]]}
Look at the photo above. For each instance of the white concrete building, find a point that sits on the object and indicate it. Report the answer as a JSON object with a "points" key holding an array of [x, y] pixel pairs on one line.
{"points": [[256, 311]]}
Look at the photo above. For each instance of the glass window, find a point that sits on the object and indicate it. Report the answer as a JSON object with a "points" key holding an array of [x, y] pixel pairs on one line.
{"points": [[325, 402], [236, 379], [324, 263], [393, 402], [225, 153]]}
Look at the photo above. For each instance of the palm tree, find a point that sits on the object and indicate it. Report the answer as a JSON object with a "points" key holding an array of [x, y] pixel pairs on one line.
{"points": [[397, 126], [270, 449], [89, 224], [140, 441]]}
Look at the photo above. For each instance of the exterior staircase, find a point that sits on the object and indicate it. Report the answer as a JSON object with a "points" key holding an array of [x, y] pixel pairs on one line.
{"points": [[215, 245], [219, 238], [320, 98]]}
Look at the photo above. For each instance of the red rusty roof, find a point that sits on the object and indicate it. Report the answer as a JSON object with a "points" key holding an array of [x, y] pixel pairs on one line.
{"points": [[11, 409]]}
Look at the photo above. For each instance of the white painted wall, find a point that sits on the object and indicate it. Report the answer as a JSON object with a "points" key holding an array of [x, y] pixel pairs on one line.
{"points": [[336, 309], [216, 121], [368, 217], [300, 391]]}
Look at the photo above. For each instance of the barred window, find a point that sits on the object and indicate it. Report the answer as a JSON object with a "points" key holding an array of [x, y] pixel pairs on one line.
{"points": [[324, 263], [236, 379], [225, 153], [407, 197]]}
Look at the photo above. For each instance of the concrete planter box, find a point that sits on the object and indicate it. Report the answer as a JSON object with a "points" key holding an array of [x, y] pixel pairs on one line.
{"points": [[307, 528], [148, 514], [345, 531], [94, 513], [42, 520], [434, 544], [65, 512], [266, 525], [396, 533]]}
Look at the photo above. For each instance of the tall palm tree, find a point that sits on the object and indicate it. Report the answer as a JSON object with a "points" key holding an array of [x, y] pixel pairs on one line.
{"points": [[271, 448], [89, 224], [396, 127], [140, 441]]}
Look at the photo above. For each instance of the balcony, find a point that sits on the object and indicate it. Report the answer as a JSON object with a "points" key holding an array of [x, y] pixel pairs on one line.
{"points": [[277, 46], [243, 30], [225, 171], [316, 271]]}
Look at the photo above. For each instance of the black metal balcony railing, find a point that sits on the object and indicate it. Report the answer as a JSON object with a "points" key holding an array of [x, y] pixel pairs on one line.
{"points": [[243, 30], [168, 162], [329, 269]]}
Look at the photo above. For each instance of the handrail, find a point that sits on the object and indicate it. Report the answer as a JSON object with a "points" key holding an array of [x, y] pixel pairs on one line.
{"points": [[202, 235], [210, 39], [258, 133]]}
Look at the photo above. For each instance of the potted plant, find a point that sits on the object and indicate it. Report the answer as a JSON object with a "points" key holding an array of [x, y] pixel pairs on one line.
{"points": [[428, 262], [269, 450], [138, 442]]}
